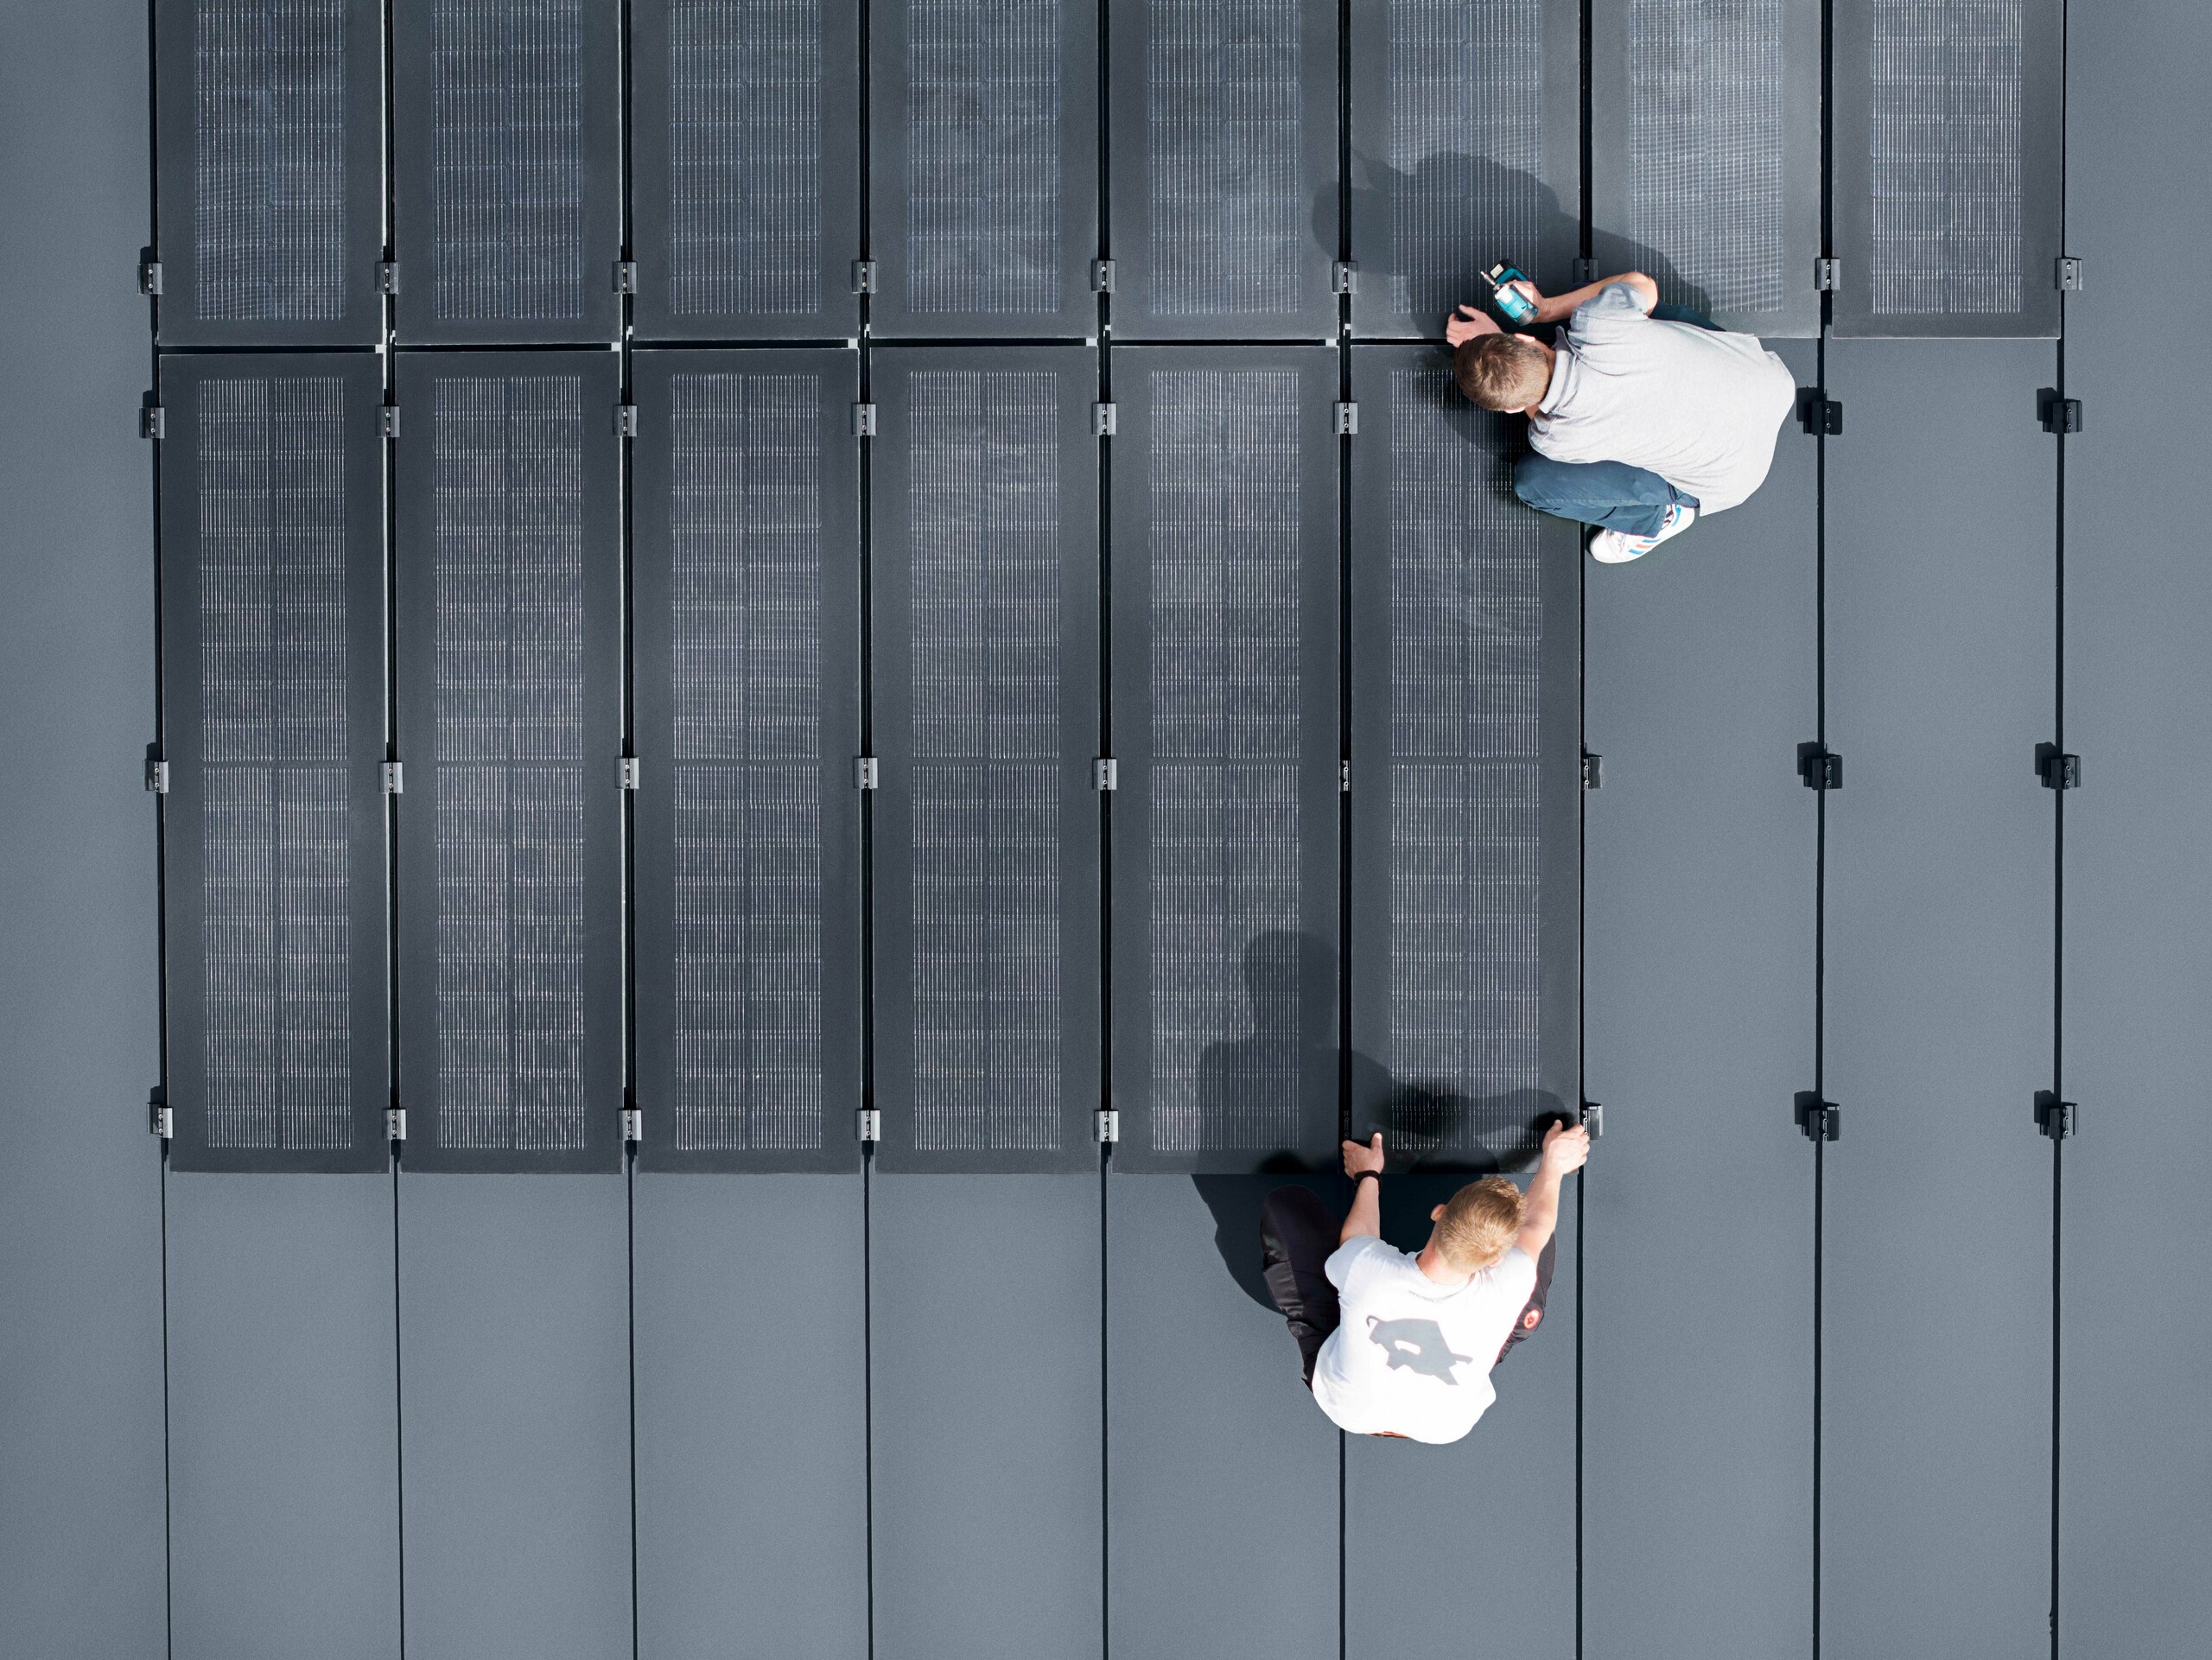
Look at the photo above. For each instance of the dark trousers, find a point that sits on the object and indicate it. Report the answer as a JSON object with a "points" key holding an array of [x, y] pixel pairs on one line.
{"points": [[1298, 1235], [1611, 495]]}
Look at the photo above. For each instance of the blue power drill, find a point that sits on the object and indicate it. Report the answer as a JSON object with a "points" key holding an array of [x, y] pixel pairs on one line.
{"points": [[1517, 308]]}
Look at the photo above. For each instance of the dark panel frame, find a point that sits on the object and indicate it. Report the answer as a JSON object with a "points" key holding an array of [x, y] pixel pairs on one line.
{"points": [[891, 816], [1321, 743], [1551, 263], [1078, 317], [415, 614], [1799, 316], [414, 209], [177, 139], [837, 374], [180, 377], [653, 310], [1560, 814], [1130, 154], [2043, 161]]}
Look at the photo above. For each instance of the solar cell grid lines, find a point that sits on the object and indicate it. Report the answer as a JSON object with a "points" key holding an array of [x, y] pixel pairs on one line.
{"points": [[746, 671], [508, 166], [1945, 154], [1228, 210], [268, 194], [511, 830], [744, 188], [983, 114], [275, 878], [1468, 82], [988, 760], [1706, 110], [1225, 550]]}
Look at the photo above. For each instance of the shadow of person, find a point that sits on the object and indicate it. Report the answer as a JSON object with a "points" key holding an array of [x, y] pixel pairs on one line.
{"points": [[1275, 1089], [1437, 1125]]}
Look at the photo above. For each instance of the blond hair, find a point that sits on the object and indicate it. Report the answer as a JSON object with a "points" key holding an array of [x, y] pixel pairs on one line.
{"points": [[1503, 372], [1479, 1224]]}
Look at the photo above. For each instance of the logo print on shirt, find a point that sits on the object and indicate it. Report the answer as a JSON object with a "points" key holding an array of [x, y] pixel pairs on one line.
{"points": [[1418, 1344]]}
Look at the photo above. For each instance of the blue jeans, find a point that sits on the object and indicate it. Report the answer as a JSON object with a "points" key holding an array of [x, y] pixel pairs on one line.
{"points": [[1611, 495]]}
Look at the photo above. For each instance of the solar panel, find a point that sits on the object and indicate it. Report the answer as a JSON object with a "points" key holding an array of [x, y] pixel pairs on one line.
{"points": [[510, 657], [984, 175], [1466, 149], [507, 170], [985, 688], [273, 632], [1948, 168], [1466, 735], [1705, 150], [746, 171], [271, 171], [1225, 825], [747, 637], [1224, 157]]}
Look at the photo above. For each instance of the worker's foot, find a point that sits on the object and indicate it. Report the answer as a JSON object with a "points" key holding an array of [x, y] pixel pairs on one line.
{"points": [[1616, 548]]}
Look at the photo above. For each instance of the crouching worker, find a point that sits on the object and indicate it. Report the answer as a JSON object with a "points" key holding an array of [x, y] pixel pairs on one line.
{"points": [[1397, 1343], [1642, 416]]}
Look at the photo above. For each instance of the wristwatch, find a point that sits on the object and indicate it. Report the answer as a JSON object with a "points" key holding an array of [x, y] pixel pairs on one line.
{"points": [[1365, 1175]]}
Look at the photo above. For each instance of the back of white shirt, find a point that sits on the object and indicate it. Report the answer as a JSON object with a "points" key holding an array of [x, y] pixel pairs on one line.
{"points": [[1411, 1356]]}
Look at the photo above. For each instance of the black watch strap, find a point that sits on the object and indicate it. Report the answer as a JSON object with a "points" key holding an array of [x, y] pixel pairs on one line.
{"points": [[1365, 1175]]}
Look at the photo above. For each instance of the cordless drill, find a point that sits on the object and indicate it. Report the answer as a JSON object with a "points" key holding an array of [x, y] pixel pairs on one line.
{"points": [[1516, 307]]}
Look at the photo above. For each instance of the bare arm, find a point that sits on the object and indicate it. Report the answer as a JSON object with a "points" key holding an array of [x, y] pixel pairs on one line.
{"points": [[1558, 308], [1565, 1150], [1366, 1218]]}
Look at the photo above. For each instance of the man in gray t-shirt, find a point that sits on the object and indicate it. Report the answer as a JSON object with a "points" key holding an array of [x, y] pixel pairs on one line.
{"points": [[1642, 416]]}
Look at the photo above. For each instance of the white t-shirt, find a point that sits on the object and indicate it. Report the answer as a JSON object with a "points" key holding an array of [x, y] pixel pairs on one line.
{"points": [[1410, 1355], [1700, 409]]}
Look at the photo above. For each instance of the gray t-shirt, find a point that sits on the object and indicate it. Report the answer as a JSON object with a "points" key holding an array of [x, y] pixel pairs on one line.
{"points": [[1698, 408]]}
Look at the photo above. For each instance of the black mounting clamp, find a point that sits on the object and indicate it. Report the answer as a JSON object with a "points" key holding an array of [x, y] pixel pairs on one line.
{"points": [[2057, 414], [2057, 769], [1820, 767], [1821, 1121], [2053, 1117], [1818, 413]]}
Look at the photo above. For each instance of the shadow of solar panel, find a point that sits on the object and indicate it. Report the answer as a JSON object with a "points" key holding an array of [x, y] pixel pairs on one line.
{"points": [[985, 172], [507, 215], [273, 624], [1225, 827], [271, 192], [1466, 731], [508, 900], [1948, 168], [1705, 144], [987, 713], [1466, 149], [746, 171], [747, 853], [1224, 156]]}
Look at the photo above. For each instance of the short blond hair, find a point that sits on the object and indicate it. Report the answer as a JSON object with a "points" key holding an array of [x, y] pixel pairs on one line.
{"points": [[1479, 1224], [1505, 372]]}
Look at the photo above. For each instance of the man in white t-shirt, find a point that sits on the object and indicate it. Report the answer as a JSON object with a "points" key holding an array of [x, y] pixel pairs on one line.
{"points": [[1399, 1343]]}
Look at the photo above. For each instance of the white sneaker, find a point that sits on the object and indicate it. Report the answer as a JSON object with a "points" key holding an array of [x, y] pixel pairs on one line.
{"points": [[1616, 548]]}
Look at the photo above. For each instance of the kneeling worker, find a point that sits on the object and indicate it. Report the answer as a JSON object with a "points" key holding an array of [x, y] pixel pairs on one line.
{"points": [[1642, 416], [1400, 1343]]}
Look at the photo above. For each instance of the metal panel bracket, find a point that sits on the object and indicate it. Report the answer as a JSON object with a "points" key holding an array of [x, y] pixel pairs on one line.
{"points": [[1343, 277], [871, 1123], [394, 1123], [152, 422], [2053, 1117], [868, 771], [1821, 1121], [1344, 777], [1106, 774], [1593, 1118], [1593, 770], [863, 420], [1828, 276], [2057, 414], [627, 772], [2056, 769], [149, 277], [160, 1117], [633, 1126], [394, 780], [1819, 413], [863, 277], [1101, 277], [2067, 274], [1347, 417], [388, 277], [625, 420], [1820, 767], [387, 420], [1105, 420], [1109, 1127], [625, 276], [157, 774], [1585, 270]]}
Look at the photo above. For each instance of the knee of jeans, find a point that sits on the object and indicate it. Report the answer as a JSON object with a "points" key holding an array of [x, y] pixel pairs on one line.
{"points": [[1528, 479]]}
